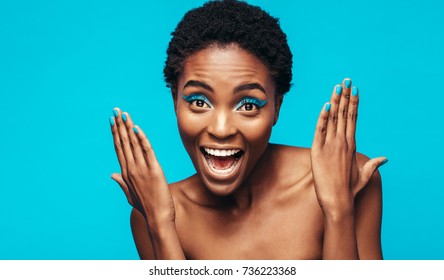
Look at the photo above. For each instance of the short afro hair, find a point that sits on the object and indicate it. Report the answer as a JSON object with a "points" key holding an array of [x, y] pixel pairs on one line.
{"points": [[226, 22]]}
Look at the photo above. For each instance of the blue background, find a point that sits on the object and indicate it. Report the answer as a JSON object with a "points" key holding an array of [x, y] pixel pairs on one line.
{"points": [[65, 64]]}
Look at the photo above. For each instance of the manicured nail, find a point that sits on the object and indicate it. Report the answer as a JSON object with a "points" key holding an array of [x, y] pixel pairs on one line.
{"points": [[111, 121], [355, 91], [136, 130], [384, 162], [124, 117], [327, 107], [347, 83], [338, 89], [116, 113]]}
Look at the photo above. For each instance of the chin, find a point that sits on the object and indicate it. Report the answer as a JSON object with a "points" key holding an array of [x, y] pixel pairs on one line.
{"points": [[220, 188]]}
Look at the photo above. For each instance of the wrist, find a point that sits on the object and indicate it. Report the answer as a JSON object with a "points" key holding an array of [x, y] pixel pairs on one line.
{"points": [[338, 211], [165, 241], [161, 232], [159, 217], [160, 226]]}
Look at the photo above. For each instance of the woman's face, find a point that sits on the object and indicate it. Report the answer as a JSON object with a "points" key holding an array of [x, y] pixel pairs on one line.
{"points": [[225, 108]]}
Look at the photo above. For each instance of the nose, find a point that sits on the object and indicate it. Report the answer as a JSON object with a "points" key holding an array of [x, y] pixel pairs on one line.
{"points": [[222, 126]]}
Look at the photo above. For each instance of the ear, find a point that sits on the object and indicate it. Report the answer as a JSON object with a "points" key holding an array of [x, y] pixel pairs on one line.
{"points": [[277, 107]]}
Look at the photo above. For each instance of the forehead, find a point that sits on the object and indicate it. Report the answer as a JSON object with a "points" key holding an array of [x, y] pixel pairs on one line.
{"points": [[225, 63]]}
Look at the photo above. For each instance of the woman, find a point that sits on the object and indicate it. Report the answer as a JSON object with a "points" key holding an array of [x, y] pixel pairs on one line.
{"points": [[229, 66]]}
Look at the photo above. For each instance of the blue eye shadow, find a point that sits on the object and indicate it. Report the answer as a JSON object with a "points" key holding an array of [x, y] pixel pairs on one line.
{"points": [[259, 103], [196, 96]]}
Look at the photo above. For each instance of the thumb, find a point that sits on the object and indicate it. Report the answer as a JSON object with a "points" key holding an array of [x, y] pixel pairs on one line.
{"points": [[369, 168], [118, 178]]}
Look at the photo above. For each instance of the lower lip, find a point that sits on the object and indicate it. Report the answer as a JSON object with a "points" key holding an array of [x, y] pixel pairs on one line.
{"points": [[223, 174]]}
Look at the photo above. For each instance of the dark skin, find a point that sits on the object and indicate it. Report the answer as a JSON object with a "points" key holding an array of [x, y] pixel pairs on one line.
{"points": [[277, 202]]}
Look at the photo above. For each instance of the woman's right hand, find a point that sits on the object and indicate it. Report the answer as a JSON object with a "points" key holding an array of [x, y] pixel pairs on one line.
{"points": [[142, 179]]}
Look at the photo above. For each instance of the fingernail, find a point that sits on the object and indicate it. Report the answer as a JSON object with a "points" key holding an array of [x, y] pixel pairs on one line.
{"points": [[347, 83], [384, 162], [111, 121], [338, 89], [136, 130], [116, 113], [327, 107], [124, 117], [355, 91]]}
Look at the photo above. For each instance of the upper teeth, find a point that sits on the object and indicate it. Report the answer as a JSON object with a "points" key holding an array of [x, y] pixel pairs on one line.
{"points": [[221, 153]]}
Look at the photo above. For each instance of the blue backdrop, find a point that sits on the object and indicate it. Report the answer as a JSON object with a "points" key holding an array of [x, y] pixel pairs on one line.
{"points": [[65, 64]]}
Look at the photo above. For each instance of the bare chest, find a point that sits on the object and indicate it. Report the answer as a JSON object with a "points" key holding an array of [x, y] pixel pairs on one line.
{"points": [[273, 230]]}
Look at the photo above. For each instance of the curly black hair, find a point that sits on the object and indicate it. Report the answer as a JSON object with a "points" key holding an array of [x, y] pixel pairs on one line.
{"points": [[226, 22]]}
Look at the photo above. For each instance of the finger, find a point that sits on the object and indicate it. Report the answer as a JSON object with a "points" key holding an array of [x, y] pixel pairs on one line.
{"points": [[118, 178], [117, 144], [333, 113], [321, 126], [133, 140], [343, 108], [147, 149], [369, 168], [352, 116], [124, 139]]}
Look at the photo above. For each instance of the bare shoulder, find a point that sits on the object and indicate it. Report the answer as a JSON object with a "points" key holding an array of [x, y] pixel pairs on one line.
{"points": [[291, 151], [368, 215], [298, 161], [293, 162]]}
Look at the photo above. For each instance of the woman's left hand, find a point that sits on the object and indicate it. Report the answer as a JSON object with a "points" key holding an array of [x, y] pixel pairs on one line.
{"points": [[337, 176]]}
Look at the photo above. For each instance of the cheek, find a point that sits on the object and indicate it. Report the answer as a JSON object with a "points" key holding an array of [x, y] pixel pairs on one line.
{"points": [[257, 132], [190, 126]]}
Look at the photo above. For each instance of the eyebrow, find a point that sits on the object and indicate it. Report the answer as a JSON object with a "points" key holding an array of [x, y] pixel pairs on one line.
{"points": [[195, 83], [250, 87]]}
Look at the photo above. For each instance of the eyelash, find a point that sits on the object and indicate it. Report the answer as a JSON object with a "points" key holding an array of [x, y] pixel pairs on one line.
{"points": [[196, 97], [247, 100], [251, 100]]}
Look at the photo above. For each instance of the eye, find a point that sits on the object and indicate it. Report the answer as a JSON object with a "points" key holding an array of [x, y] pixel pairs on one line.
{"points": [[250, 104], [199, 103], [197, 100]]}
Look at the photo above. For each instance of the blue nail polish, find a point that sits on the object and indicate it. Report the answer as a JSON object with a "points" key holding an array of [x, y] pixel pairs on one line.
{"points": [[116, 113], [347, 83], [136, 130], [355, 91], [384, 162], [124, 117], [111, 121], [327, 107], [338, 89]]}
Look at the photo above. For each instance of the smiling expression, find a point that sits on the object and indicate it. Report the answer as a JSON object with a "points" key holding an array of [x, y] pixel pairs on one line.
{"points": [[226, 107]]}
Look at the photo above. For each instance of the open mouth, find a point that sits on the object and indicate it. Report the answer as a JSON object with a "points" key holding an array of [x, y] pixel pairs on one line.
{"points": [[222, 161]]}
